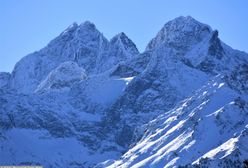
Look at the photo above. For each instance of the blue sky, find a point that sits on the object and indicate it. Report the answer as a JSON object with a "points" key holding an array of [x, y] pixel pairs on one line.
{"points": [[28, 25]]}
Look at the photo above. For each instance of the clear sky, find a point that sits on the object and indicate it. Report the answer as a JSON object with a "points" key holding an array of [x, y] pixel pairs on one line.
{"points": [[28, 25]]}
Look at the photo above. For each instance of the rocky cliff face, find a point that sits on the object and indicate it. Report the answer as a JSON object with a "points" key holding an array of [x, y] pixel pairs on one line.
{"points": [[90, 100]]}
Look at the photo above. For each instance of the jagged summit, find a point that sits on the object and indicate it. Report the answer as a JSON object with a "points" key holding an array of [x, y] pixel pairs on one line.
{"points": [[180, 32], [70, 28], [77, 31], [128, 44], [88, 24], [120, 49], [120, 36], [183, 19]]}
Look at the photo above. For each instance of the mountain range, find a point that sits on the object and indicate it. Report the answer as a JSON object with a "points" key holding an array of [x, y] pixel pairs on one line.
{"points": [[86, 101]]}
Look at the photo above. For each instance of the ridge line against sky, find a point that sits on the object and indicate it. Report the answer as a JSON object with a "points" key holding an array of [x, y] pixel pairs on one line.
{"points": [[29, 25]]}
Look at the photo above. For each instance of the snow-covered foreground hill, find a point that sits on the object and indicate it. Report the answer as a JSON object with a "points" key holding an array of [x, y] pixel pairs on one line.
{"points": [[207, 129], [85, 101]]}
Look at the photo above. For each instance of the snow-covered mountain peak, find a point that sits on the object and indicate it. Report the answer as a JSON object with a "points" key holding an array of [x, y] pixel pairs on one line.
{"points": [[120, 36], [122, 40], [88, 25], [184, 19], [181, 32], [82, 43], [88, 29], [83, 33], [85, 26], [70, 28], [120, 49]]}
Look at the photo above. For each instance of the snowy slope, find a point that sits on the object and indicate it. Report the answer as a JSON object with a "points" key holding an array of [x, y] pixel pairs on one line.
{"points": [[210, 124], [37, 147], [98, 92]]}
